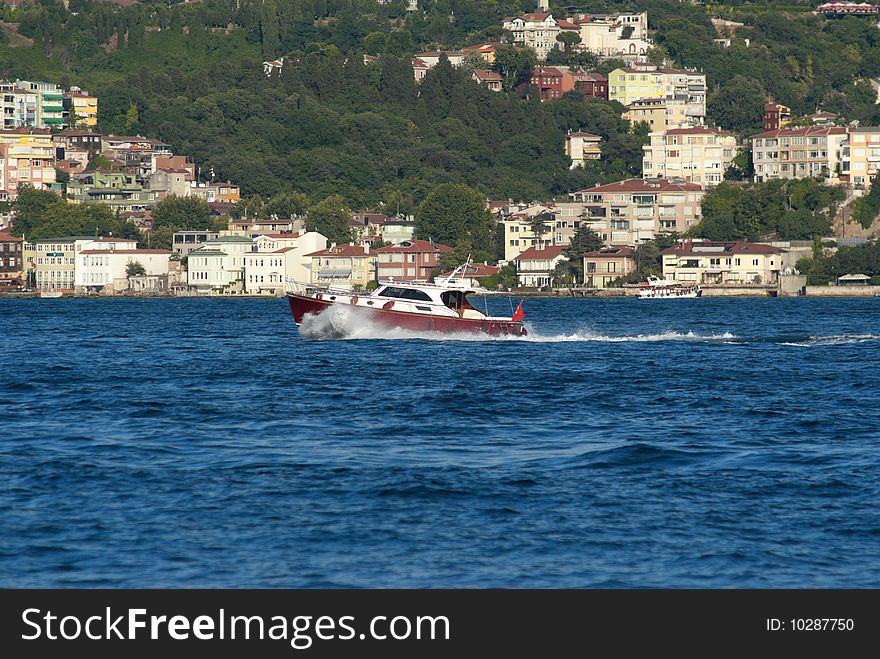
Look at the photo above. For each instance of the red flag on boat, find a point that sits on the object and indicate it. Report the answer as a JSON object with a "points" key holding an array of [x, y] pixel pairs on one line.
{"points": [[518, 314]]}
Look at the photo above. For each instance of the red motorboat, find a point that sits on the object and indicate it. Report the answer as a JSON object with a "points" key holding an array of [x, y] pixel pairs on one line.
{"points": [[408, 306]]}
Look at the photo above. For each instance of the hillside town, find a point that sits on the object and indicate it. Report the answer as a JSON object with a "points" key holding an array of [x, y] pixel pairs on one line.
{"points": [[51, 141]]}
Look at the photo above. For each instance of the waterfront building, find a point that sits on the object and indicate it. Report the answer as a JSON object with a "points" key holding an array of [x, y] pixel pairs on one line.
{"points": [[348, 267], [605, 267], [55, 259], [534, 266], [411, 260], [630, 212], [11, 261], [279, 257], [184, 242], [708, 262], [810, 151], [698, 154], [102, 266], [218, 265]]}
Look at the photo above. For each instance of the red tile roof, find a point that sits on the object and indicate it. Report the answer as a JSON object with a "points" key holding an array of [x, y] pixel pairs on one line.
{"points": [[546, 70], [483, 74], [413, 246], [567, 25], [283, 236], [611, 253], [549, 253], [697, 130], [477, 271], [343, 250], [730, 247], [645, 185], [7, 238], [811, 131], [111, 239]]}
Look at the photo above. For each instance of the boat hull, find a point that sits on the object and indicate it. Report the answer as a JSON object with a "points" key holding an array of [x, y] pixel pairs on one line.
{"points": [[670, 295], [301, 305]]}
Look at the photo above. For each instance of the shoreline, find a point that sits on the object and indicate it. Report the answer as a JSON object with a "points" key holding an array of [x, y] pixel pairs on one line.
{"points": [[833, 292]]}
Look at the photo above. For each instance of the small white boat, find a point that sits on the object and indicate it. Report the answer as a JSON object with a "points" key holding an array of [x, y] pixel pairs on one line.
{"points": [[655, 287], [51, 294]]}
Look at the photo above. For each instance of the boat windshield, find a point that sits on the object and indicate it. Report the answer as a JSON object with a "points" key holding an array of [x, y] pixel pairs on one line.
{"points": [[457, 301]]}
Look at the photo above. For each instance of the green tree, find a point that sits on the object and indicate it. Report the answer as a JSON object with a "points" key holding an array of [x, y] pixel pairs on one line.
{"points": [[288, 205], [571, 271], [504, 279], [866, 208], [514, 65], [135, 269], [568, 39], [331, 218], [131, 117], [541, 224], [178, 213], [31, 207], [454, 212], [738, 104]]}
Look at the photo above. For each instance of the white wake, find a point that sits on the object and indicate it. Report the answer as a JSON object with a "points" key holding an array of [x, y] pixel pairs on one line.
{"points": [[344, 322]]}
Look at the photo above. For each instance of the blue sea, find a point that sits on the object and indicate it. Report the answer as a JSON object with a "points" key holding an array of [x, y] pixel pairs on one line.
{"points": [[624, 443]]}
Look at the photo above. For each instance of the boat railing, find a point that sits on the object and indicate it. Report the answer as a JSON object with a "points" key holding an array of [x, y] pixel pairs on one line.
{"points": [[304, 288]]}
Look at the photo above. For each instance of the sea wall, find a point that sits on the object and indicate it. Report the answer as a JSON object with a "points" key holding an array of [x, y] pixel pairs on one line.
{"points": [[843, 291], [738, 291]]}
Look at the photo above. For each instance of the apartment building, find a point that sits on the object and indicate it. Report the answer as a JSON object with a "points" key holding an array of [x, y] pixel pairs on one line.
{"points": [[27, 157], [606, 266], [661, 113], [810, 151], [80, 109], [629, 212], [582, 147], [860, 156], [707, 262], [631, 84], [698, 154]]}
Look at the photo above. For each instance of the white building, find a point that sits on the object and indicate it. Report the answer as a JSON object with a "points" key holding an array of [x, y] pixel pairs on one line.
{"points": [[102, 266], [278, 257], [698, 155], [218, 266], [623, 36], [534, 267], [535, 31], [582, 147]]}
